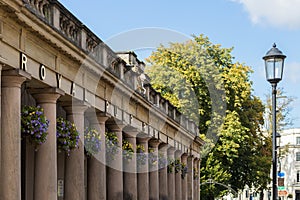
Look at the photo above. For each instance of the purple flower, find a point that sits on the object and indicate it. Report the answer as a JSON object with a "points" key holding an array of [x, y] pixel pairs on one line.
{"points": [[67, 135], [34, 124]]}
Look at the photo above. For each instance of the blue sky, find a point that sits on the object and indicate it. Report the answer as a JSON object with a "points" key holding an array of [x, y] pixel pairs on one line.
{"points": [[250, 26]]}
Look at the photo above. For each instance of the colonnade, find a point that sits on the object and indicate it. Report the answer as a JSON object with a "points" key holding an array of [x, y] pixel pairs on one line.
{"points": [[113, 180]]}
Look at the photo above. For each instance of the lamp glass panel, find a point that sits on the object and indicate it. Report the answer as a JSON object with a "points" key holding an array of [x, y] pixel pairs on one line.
{"points": [[278, 68], [274, 68]]}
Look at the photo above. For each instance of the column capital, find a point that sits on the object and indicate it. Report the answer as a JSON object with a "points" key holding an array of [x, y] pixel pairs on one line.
{"points": [[142, 138], [130, 132], [115, 125], [75, 107], [178, 153], [102, 119], [14, 78], [184, 156], [171, 150], [199, 160], [16, 72], [163, 147], [154, 143], [47, 95], [96, 117]]}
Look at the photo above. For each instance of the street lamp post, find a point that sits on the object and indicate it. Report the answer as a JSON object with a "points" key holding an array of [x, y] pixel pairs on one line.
{"points": [[274, 62]]}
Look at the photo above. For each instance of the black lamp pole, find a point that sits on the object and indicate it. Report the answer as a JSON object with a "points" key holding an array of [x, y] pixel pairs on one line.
{"points": [[274, 62], [274, 151]]}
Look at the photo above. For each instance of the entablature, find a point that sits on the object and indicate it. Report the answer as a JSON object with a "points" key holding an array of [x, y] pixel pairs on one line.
{"points": [[82, 65]]}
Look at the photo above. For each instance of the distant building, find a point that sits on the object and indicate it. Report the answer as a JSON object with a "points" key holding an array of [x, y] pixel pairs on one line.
{"points": [[288, 170], [289, 163]]}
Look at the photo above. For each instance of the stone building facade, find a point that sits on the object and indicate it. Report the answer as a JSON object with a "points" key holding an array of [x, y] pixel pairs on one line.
{"points": [[288, 168], [49, 58], [289, 164]]}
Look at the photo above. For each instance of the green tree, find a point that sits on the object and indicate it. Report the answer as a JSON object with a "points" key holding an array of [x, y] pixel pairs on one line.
{"points": [[203, 82]]}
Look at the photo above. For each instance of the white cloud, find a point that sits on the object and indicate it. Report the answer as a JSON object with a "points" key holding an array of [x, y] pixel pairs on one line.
{"points": [[278, 13]]}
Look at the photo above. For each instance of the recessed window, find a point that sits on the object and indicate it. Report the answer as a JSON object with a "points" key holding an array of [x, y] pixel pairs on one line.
{"points": [[298, 176], [298, 156], [298, 140]]}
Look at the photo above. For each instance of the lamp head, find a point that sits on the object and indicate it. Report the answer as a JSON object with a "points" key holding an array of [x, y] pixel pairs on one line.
{"points": [[274, 62]]}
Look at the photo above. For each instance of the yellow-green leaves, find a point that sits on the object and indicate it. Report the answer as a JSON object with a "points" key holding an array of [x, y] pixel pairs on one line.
{"points": [[202, 80]]}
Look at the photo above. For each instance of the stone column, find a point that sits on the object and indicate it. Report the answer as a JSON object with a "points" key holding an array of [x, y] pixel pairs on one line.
{"points": [[74, 174], [190, 177], [0, 122], [143, 172], [129, 167], [196, 178], [171, 175], [178, 179], [96, 187], [153, 172], [45, 178], [163, 172], [10, 188], [184, 180], [114, 175]]}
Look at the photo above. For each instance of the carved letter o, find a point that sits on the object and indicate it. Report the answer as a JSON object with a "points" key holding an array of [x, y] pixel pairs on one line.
{"points": [[42, 72]]}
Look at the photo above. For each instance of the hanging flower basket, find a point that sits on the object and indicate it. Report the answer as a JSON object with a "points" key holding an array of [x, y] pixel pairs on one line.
{"points": [[141, 156], [171, 165], [111, 141], [152, 158], [127, 150], [92, 141], [184, 170], [34, 125], [67, 135], [162, 161], [177, 165]]}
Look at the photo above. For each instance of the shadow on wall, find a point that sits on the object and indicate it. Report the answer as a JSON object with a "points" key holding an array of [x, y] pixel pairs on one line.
{"points": [[128, 196]]}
